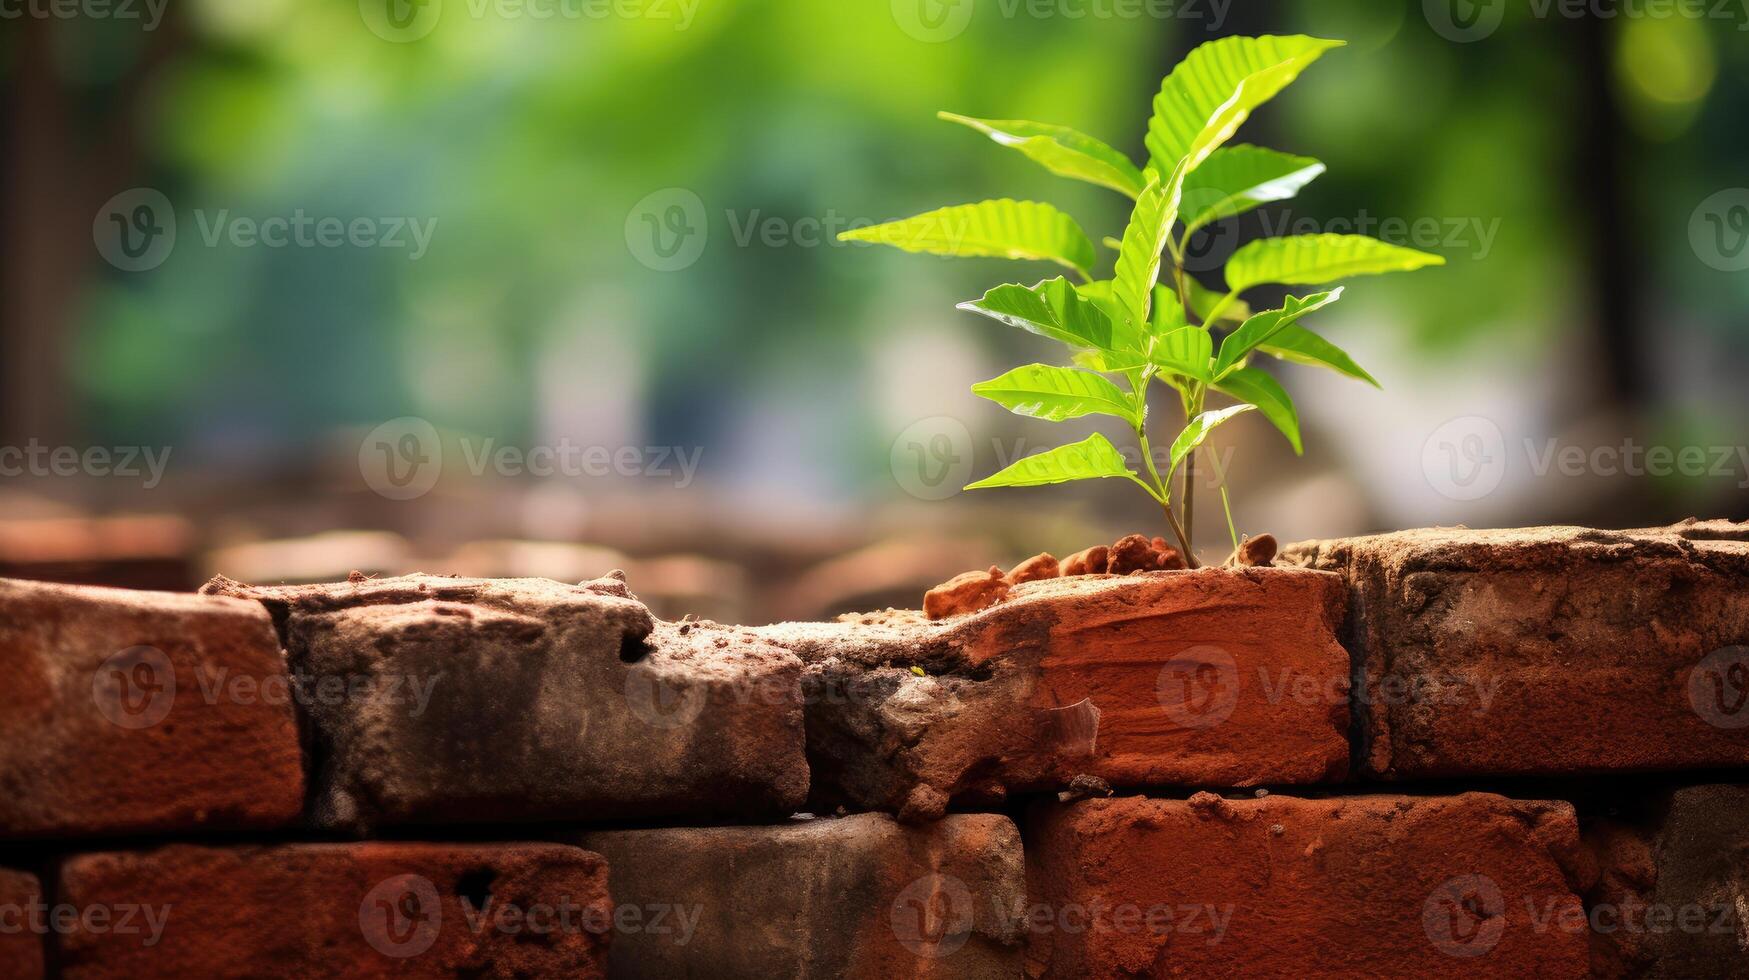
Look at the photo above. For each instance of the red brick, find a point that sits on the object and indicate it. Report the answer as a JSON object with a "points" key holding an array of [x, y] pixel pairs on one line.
{"points": [[1215, 677], [343, 910], [127, 712], [1673, 892], [487, 700], [1471, 885], [1549, 650], [21, 945], [853, 897]]}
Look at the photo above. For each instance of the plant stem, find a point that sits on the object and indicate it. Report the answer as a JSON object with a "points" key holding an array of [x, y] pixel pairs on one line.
{"points": [[1164, 496], [1192, 408], [1226, 505]]}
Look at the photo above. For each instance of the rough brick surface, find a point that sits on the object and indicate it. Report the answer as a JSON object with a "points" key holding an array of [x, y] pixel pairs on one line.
{"points": [[341, 910], [1473, 885], [1218, 677], [127, 712], [1673, 895], [468, 700], [1548, 650], [21, 944], [856, 897]]}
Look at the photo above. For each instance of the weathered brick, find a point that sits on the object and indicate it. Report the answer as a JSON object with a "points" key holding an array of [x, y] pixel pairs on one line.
{"points": [[855, 897], [340, 910], [1471, 885], [1217, 677], [1673, 898], [479, 700], [127, 712], [22, 929], [1548, 650]]}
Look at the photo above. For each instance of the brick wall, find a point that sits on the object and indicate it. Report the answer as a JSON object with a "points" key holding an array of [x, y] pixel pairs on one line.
{"points": [[1432, 753]]}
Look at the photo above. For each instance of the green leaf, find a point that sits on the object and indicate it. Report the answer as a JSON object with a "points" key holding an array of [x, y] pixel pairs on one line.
{"points": [[1297, 344], [1263, 327], [1053, 308], [1214, 89], [1254, 386], [1312, 260], [1168, 313], [1003, 229], [1203, 301], [1144, 241], [1093, 458], [1235, 179], [1111, 243], [1061, 150], [1110, 361], [1186, 351], [1197, 432], [1055, 394]]}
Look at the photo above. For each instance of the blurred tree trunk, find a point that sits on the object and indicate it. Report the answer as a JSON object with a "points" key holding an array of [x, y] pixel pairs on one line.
{"points": [[1605, 206], [60, 165]]}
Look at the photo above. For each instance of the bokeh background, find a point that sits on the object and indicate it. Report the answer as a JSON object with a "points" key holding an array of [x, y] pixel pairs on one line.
{"points": [[605, 229]]}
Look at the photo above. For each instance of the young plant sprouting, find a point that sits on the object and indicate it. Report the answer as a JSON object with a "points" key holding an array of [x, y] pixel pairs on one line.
{"points": [[1133, 327]]}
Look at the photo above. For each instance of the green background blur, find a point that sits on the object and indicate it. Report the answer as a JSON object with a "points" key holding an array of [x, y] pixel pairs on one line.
{"points": [[1562, 158]]}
